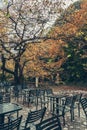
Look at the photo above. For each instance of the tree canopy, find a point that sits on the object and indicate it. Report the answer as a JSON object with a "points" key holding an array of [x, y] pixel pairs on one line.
{"points": [[28, 50]]}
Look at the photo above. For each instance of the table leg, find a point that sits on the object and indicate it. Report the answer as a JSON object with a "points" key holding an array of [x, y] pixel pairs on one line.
{"points": [[1, 119], [57, 102]]}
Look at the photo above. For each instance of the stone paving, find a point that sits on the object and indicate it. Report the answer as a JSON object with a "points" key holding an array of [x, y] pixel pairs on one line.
{"points": [[76, 124]]}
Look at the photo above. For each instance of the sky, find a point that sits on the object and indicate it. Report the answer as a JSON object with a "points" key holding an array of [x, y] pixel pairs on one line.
{"points": [[53, 17], [52, 20], [68, 2]]}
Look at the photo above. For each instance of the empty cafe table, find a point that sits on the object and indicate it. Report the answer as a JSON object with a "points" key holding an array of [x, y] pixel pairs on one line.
{"points": [[55, 99], [6, 108]]}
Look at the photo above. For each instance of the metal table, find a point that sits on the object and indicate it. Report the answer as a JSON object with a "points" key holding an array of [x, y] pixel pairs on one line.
{"points": [[54, 100], [6, 108]]}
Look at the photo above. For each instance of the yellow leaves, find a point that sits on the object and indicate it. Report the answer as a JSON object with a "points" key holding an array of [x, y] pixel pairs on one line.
{"points": [[5, 1], [85, 38], [3, 24], [7, 15], [56, 65], [55, 31], [10, 65], [80, 33]]}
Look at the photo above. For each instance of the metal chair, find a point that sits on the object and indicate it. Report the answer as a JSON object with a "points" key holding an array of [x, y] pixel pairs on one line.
{"points": [[5, 99], [66, 106], [42, 97], [29, 97], [46, 100], [13, 125], [13, 115], [83, 102], [33, 117], [77, 102], [52, 123], [27, 128], [49, 91]]}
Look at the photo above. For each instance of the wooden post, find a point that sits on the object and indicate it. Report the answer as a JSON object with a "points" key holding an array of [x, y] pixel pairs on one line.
{"points": [[37, 81]]}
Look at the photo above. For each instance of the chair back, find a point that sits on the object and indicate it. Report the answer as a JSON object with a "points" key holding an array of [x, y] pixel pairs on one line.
{"points": [[79, 96], [84, 105], [49, 91], [13, 125], [27, 128], [42, 92], [68, 104], [32, 92], [5, 99], [34, 116], [68, 101], [52, 123]]}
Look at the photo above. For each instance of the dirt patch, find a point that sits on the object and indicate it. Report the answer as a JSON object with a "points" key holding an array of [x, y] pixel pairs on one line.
{"points": [[65, 88]]}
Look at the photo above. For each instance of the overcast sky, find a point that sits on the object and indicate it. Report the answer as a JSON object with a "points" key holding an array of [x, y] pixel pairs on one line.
{"points": [[68, 2], [52, 20], [54, 16]]}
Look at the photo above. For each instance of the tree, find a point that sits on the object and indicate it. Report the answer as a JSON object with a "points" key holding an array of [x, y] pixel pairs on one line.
{"points": [[71, 28], [44, 59], [26, 21], [75, 67]]}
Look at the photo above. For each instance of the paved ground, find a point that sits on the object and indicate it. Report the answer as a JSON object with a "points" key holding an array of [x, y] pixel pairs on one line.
{"points": [[77, 124]]}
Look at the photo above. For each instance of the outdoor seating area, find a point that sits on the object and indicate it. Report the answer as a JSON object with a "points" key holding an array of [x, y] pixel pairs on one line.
{"points": [[43, 109], [43, 64]]}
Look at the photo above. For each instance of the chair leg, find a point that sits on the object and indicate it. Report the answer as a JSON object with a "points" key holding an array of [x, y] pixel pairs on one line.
{"points": [[86, 122], [72, 115], [79, 109], [64, 120]]}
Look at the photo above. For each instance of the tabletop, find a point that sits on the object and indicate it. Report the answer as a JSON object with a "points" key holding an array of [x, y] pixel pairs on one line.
{"points": [[9, 107], [6, 108]]}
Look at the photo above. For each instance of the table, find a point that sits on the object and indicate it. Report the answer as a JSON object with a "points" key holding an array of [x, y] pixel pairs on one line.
{"points": [[54, 100], [6, 108]]}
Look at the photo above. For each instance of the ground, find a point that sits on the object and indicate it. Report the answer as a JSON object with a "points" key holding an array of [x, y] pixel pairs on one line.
{"points": [[66, 87]]}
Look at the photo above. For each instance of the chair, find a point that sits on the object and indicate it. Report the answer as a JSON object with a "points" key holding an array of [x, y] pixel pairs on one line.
{"points": [[41, 97], [46, 98], [52, 123], [66, 106], [1, 97], [33, 117], [83, 102], [5, 99], [77, 102], [29, 97], [49, 91], [13, 115], [13, 125], [27, 128]]}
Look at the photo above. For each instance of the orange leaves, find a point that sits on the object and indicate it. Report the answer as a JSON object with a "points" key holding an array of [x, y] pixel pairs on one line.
{"points": [[55, 31], [42, 56], [84, 4], [70, 22], [56, 48], [79, 17], [69, 29], [10, 64]]}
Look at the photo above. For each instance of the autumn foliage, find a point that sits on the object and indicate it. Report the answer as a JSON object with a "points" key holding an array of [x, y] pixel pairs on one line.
{"points": [[63, 52]]}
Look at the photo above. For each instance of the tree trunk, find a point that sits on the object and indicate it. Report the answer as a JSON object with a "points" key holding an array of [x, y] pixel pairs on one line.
{"points": [[36, 81], [18, 77]]}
